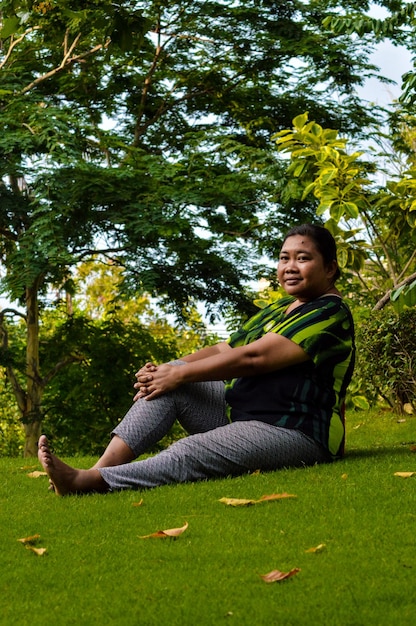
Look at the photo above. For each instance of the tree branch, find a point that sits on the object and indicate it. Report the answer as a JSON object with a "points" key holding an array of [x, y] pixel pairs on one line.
{"points": [[15, 42], [66, 61], [383, 246], [383, 301], [70, 359], [13, 312], [408, 264]]}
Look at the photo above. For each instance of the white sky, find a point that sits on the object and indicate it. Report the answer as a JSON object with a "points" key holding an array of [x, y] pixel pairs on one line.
{"points": [[393, 62]]}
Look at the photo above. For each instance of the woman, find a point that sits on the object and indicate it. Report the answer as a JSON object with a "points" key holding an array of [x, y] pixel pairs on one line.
{"points": [[287, 369]]}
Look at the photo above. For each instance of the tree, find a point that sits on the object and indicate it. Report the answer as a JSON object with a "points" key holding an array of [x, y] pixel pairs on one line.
{"points": [[142, 130], [111, 337], [382, 215]]}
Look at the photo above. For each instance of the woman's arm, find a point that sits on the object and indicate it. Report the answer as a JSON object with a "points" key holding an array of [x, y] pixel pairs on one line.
{"points": [[146, 371], [206, 352], [271, 352]]}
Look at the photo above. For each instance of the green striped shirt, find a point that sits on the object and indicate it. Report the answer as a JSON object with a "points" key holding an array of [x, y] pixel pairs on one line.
{"points": [[307, 396]]}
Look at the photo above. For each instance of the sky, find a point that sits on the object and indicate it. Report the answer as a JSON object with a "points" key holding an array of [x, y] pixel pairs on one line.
{"points": [[393, 61]]}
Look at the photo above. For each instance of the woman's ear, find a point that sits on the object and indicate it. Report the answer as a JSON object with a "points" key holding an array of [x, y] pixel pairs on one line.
{"points": [[332, 268]]}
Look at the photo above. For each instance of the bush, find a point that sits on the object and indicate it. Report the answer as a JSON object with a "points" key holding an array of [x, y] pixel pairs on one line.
{"points": [[86, 399], [386, 348]]}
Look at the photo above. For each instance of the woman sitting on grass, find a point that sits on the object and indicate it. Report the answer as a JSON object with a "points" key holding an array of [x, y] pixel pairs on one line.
{"points": [[287, 369]]}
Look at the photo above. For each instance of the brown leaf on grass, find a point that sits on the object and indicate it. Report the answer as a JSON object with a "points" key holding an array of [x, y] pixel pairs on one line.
{"points": [[139, 503], [31, 539], [320, 548], [276, 576], [170, 532], [404, 474], [36, 474], [247, 502], [28, 543], [38, 551], [413, 448]]}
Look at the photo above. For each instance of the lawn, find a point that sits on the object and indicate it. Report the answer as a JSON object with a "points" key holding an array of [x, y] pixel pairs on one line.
{"points": [[98, 570]]}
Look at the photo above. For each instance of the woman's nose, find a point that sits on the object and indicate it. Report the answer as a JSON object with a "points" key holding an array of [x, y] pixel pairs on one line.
{"points": [[291, 266]]}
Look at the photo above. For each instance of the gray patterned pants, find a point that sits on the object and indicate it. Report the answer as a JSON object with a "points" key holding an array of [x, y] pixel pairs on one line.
{"points": [[214, 448]]}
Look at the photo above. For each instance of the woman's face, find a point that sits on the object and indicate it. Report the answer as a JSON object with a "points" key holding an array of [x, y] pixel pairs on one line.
{"points": [[301, 270]]}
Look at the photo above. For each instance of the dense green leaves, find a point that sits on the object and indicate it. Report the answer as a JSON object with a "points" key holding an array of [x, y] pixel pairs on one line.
{"points": [[385, 365]]}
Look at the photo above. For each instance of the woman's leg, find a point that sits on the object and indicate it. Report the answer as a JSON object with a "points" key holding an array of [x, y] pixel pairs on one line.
{"points": [[116, 453], [198, 407], [230, 450], [66, 479]]}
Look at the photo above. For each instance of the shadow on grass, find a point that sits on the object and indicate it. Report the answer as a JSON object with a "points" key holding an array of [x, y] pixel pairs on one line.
{"points": [[380, 451]]}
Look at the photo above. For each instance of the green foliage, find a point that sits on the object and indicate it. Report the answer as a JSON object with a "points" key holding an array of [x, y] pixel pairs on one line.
{"points": [[374, 225], [385, 370], [11, 432], [142, 130], [87, 399], [148, 123], [404, 297]]}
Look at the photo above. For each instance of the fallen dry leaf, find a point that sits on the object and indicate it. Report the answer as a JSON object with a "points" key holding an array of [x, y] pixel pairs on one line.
{"points": [[404, 474], [344, 476], [38, 551], [237, 501], [247, 502], [276, 576], [31, 539], [28, 543], [320, 548], [138, 503], [171, 532], [36, 474]]}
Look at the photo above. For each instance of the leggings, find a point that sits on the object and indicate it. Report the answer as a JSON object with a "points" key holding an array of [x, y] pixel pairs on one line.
{"points": [[214, 447]]}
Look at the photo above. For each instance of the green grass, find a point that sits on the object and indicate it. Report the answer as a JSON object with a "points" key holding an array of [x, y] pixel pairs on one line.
{"points": [[98, 571]]}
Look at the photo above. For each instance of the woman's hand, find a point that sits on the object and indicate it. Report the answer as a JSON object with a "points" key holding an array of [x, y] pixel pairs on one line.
{"points": [[154, 380]]}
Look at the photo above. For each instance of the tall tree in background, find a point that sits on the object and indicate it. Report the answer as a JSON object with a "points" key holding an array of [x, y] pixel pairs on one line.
{"points": [[142, 130]]}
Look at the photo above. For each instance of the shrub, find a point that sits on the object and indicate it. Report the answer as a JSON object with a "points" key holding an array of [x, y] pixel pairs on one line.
{"points": [[386, 349]]}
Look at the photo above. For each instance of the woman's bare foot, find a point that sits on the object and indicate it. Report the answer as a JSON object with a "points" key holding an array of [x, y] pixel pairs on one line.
{"points": [[66, 479]]}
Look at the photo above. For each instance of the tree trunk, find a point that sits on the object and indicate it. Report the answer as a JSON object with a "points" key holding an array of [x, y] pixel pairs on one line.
{"points": [[33, 414], [32, 434]]}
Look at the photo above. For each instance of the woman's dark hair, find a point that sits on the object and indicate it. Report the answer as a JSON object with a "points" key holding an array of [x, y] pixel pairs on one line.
{"points": [[323, 240]]}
